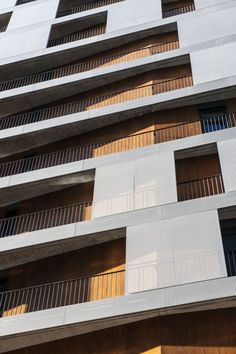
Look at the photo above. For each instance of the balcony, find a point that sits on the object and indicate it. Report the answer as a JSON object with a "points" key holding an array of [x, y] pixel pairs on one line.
{"points": [[115, 97], [77, 29], [21, 2], [45, 219], [200, 175], [106, 147], [66, 7], [169, 10], [76, 36], [85, 274], [84, 66], [65, 204], [62, 293], [4, 21]]}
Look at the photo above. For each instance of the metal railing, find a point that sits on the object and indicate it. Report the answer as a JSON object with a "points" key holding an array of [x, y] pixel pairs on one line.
{"points": [[120, 144], [230, 259], [76, 36], [178, 10], [199, 188], [21, 2], [62, 293], [3, 28], [89, 65], [86, 7], [45, 219], [94, 102]]}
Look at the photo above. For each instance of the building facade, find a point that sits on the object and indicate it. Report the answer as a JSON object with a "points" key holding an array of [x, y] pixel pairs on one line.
{"points": [[117, 176]]}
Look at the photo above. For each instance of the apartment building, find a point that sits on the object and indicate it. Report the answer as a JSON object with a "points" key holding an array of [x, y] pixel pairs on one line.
{"points": [[117, 176]]}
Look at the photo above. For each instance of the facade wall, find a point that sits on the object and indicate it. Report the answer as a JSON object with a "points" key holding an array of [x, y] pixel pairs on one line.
{"points": [[172, 247], [211, 332]]}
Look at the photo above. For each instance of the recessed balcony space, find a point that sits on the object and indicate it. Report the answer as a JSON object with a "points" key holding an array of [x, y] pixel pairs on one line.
{"points": [[148, 46], [78, 29], [156, 128], [70, 7], [21, 2], [179, 7], [65, 206], [144, 85], [198, 173], [4, 21], [227, 218], [89, 274]]}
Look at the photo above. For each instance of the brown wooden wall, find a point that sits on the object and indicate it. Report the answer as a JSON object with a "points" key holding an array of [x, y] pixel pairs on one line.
{"points": [[197, 167], [211, 332], [103, 258]]}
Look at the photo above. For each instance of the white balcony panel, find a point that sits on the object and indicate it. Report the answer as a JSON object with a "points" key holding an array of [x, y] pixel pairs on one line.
{"points": [[34, 12], [214, 63], [134, 185], [174, 251], [133, 13], [208, 26]]}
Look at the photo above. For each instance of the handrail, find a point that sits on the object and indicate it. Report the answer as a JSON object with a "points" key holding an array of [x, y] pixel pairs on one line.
{"points": [[85, 7], [86, 66], [76, 36], [62, 293], [45, 219], [178, 10], [200, 188], [95, 102], [150, 137], [197, 179]]}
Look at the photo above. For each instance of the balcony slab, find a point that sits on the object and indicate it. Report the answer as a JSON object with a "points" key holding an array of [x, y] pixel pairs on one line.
{"points": [[44, 326]]}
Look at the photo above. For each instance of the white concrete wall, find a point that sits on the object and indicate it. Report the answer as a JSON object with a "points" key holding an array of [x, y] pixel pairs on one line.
{"points": [[180, 250], [209, 26], [28, 29], [134, 185], [227, 155], [4, 4], [132, 12], [23, 41], [214, 63], [206, 3], [34, 13]]}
